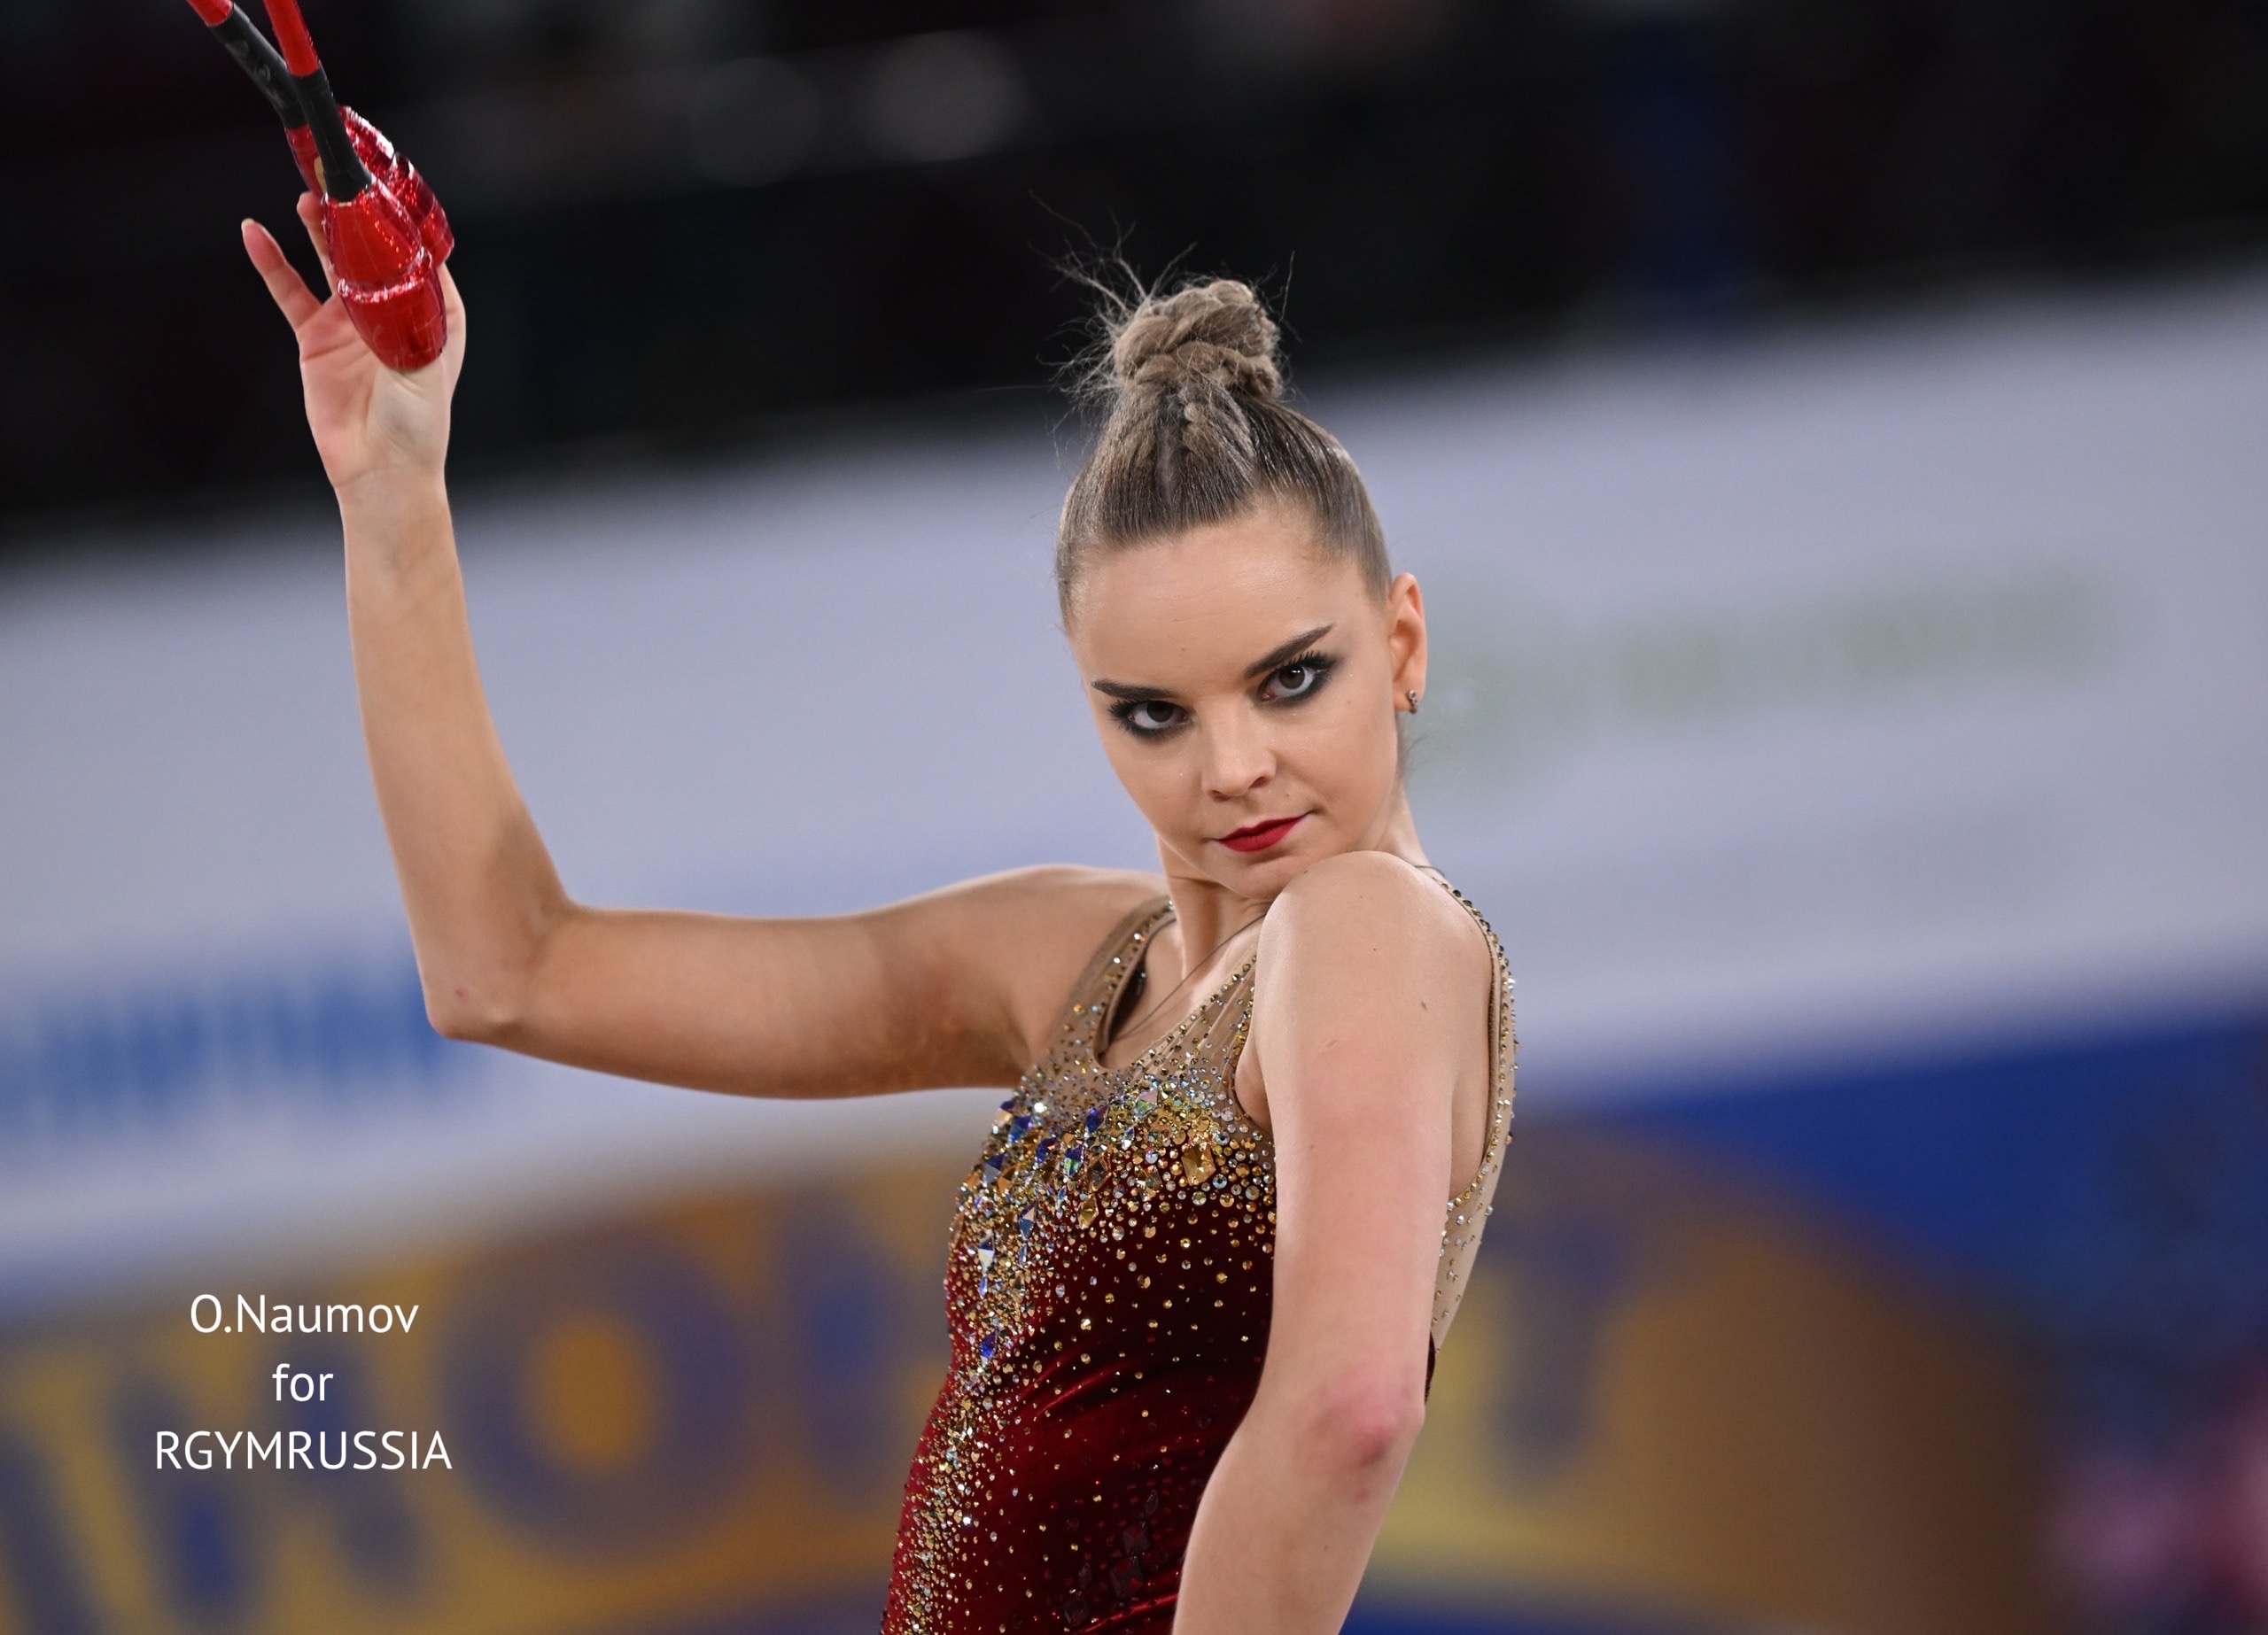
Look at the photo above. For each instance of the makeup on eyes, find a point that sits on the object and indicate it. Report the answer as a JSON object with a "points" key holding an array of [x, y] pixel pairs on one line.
{"points": [[1319, 665], [1125, 711]]}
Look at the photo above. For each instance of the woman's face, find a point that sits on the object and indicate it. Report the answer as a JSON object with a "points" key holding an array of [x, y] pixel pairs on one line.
{"points": [[1245, 685]]}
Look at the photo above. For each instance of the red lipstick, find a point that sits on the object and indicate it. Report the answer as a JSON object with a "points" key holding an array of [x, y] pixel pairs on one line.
{"points": [[1260, 836]]}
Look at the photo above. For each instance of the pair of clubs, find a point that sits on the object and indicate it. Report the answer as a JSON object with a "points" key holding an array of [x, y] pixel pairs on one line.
{"points": [[382, 226]]}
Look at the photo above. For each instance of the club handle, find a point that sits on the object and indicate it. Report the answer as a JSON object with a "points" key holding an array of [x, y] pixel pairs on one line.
{"points": [[259, 61], [343, 173], [291, 36]]}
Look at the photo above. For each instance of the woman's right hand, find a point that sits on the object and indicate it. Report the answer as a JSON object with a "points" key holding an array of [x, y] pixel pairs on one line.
{"points": [[956, 986], [371, 424]]}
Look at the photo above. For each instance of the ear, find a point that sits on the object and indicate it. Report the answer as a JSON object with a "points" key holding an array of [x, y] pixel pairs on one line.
{"points": [[1405, 638]]}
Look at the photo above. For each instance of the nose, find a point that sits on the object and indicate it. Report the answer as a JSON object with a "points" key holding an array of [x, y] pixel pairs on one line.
{"points": [[1237, 757]]}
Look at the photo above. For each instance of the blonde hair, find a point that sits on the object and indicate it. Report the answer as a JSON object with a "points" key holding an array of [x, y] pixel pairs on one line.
{"points": [[1197, 431]]}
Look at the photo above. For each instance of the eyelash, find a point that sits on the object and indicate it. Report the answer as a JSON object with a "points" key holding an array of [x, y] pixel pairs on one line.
{"points": [[1320, 663]]}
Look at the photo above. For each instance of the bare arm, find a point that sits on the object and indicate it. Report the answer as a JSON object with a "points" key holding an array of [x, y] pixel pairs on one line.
{"points": [[1368, 1017], [949, 989]]}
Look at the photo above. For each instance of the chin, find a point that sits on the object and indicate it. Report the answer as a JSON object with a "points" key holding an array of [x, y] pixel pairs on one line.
{"points": [[1264, 877]]}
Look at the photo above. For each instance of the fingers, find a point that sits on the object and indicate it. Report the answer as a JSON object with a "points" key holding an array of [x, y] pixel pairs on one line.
{"points": [[284, 285], [310, 211], [451, 301], [452, 358]]}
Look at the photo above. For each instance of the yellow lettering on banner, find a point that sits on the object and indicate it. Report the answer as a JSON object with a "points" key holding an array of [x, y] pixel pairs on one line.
{"points": [[1661, 1394], [523, 1440]]}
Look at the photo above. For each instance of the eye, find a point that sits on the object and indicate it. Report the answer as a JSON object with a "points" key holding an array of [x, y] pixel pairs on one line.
{"points": [[1147, 717], [1297, 679]]}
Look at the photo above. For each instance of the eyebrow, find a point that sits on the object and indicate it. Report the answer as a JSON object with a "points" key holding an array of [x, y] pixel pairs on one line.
{"points": [[1275, 659]]}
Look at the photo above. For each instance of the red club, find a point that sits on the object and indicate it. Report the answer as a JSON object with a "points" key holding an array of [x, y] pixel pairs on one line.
{"points": [[384, 230]]}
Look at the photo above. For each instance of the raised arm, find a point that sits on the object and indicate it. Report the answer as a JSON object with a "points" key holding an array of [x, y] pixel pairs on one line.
{"points": [[949, 989], [1368, 1042]]}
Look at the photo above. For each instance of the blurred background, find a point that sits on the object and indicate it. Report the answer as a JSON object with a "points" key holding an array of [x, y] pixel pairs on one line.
{"points": [[1833, 436]]}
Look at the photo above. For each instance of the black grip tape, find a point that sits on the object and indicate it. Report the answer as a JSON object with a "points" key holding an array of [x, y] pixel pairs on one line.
{"points": [[342, 173], [258, 59]]}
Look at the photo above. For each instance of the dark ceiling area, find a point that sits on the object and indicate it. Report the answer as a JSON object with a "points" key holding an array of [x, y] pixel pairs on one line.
{"points": [[685, 224]]}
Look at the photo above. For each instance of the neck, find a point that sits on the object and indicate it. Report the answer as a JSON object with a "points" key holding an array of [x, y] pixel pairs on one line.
{"points": [[1208, 915]]}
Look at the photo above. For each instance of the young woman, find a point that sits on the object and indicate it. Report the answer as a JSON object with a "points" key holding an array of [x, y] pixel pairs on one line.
{"points": [[1197, 1278]]}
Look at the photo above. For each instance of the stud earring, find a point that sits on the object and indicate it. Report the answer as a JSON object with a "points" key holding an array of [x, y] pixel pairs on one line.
{"points": [[1412, 696]]}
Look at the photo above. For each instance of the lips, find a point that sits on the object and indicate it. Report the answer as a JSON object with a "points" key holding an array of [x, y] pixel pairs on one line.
{"points": [[1260, 836]]}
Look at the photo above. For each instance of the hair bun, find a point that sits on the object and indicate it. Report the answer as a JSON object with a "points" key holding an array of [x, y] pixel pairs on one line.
{"points": [[1197, 432], [1217, 332]]}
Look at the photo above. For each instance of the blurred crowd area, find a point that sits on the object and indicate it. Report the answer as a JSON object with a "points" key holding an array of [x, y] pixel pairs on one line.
{"points": [[686, 220]]}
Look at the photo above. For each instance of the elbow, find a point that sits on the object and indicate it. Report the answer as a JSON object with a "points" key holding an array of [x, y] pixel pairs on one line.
{"points": [[482, 982], [485, 990], [466, 1013], [1362, 1424]]}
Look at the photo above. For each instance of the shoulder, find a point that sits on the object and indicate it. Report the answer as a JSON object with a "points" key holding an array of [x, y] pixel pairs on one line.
{"points": [[1015, 943], [1061, 898], [1362, 907], [1366, 939], [1370, 977], [1049, 912], [1042, 894]]}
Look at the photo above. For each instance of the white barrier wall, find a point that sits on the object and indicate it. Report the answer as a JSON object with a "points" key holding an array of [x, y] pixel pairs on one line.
{"points": [[1801, 698]]}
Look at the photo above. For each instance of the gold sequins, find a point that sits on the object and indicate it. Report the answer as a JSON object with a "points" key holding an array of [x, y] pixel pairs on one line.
{"points": [[1081, 1162]]}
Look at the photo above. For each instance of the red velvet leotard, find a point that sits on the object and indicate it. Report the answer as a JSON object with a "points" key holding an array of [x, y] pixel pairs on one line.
{"points": [[1109, 1291]]}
